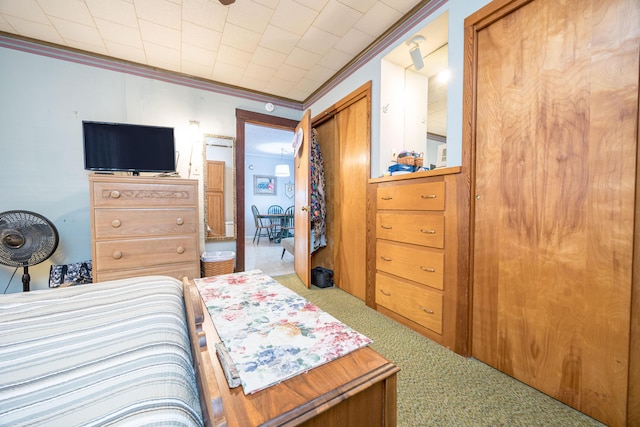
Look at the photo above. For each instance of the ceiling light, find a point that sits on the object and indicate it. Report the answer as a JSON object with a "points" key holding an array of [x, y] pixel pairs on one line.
{"points": [[227, 2], [444, 76], [416, 55], [283, 169]]}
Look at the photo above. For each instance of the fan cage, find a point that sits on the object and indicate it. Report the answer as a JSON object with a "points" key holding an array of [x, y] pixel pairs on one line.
{"points": [[39, 235]]}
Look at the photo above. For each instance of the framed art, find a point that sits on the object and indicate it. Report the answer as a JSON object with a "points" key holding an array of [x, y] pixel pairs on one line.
{"points": [[264, 184]]}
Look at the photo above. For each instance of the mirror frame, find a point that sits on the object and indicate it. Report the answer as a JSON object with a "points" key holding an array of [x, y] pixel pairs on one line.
{"points": [[210, 139]]}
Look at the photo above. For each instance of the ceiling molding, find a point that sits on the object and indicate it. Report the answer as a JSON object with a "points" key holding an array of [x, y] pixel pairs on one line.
{"points": [[14, 42], [417, 14]]}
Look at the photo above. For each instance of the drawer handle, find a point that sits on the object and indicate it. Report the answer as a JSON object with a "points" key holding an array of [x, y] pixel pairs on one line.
{"points": [[385, 258], [115, 194], [180, 249], [180, 221], [387, 198], [385, 293], [426, 310], [428, 196], [422, 230], [117, 255], [386, 227], [428, 269], [116, 223]]}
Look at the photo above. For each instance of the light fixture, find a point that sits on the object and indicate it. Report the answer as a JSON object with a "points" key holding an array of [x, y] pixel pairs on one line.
{"points": [[416, 55], [282, 169]]}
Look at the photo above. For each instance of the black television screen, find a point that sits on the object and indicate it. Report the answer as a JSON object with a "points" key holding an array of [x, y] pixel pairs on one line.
{"points": [[127, 147]]}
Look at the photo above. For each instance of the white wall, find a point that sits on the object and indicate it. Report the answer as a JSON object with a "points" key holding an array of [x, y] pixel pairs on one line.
{"points": [[380, 149], [42, 105]]}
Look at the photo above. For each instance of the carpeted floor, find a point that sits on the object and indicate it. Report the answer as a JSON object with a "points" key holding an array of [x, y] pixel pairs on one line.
{"points": [[437, 387]]}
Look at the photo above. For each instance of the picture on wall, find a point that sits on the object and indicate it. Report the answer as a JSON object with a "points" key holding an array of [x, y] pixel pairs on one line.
{"points": [[264, 184]]}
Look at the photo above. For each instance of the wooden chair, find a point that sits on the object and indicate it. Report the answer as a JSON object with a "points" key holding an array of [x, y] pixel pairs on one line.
{"points": [[287, 223], [260, 226], [276, 223]]}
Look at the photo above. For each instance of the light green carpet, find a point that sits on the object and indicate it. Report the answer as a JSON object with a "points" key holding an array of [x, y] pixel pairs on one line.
{"points": [[437, 387]]}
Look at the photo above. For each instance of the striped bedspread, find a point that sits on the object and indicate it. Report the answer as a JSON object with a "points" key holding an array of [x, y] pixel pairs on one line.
{"points": [[115, 353]]}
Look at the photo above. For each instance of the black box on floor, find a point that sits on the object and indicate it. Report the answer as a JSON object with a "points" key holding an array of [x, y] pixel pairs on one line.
{"points": [[322, 277]]}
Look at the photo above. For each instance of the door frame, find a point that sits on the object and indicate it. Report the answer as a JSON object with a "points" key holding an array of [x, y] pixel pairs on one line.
{"points": [[243, 117]]}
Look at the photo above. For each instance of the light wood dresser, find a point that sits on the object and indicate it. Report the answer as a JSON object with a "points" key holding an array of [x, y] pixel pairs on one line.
{"points": [[144, 226], [413, 255]]}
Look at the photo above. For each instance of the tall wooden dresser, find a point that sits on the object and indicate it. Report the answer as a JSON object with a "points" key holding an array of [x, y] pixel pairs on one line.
{"points": [[413, 255], [144, 226]]}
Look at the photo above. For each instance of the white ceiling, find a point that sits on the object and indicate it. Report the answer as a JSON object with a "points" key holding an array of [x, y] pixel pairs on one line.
{"points": [[283, 48], [267, 141]]}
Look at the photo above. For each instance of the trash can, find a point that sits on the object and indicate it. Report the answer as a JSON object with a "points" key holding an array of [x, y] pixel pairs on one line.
{"points": [[216, 263]]}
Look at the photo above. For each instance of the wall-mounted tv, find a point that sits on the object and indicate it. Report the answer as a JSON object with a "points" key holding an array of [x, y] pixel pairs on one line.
{"points": [[127, 147]]}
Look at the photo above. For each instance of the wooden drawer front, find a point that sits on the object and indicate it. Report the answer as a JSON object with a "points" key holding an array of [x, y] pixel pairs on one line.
{"points": [[126, 254], [426, 196], [417, 264], [417, 228], [178, 271], [111, 223], [414, 302], [131, 194]]}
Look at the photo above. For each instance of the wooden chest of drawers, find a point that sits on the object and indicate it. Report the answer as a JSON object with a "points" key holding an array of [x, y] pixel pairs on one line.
{"points": [[142, 226], [413, 254]]}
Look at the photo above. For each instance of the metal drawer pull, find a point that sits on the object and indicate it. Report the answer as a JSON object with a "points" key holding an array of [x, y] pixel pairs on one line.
{"points": [[428, 196], [385, 293], [387, 198], [117, 255], [115, 223], [428, 269], [426, 310], [385, 258], [180, 249], [386, 227], [422, 230], [180, 221], [115, 194]]}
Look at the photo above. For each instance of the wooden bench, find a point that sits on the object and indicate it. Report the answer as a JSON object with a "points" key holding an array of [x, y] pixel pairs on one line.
{"points": [[356, 389]]}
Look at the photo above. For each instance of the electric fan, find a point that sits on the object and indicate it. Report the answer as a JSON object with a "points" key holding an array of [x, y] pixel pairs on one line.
{"points": [[26, 239]]}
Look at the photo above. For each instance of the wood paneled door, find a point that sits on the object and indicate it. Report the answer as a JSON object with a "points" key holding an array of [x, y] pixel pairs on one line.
{"points": [[551, 99], [215, 198]]}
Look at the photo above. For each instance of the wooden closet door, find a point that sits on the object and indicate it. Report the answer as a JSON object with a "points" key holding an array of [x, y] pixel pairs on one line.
{"points": [[350, 229], [556, 109]]}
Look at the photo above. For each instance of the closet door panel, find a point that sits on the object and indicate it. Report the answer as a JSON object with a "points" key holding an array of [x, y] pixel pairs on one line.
{"points": [[556, 116], [352, 127]]}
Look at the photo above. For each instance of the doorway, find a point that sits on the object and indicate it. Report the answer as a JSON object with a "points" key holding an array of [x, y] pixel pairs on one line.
{"points": [[244, 117]]}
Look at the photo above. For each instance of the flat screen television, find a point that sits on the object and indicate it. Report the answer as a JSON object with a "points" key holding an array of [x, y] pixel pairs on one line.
{"points": [[120, 147]]}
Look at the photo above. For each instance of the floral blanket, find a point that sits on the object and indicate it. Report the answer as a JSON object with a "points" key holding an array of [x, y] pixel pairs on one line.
{"points": [[270, 332]]}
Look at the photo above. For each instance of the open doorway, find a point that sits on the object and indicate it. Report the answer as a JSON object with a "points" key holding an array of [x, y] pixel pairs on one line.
{"points": [[243, 184]]}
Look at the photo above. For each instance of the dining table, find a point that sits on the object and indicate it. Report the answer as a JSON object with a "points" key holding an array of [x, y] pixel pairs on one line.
{"points": [[280, 219]]}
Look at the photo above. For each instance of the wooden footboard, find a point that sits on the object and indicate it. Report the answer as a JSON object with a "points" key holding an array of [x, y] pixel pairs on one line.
{"points": [[356, 389], [210, 397]]}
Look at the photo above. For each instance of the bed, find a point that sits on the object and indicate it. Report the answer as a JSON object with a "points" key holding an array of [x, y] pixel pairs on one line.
{"points": [[141, 351]]}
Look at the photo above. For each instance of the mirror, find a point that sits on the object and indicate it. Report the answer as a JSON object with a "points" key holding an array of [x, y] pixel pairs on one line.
{"points": [[219, 187], [414, 100]]}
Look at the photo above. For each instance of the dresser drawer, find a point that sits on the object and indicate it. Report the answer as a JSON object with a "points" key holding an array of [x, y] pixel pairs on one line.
{"points": [[131, 194], [178, 271], [415, 263], [418, 228], [414, 302], [110, 223], [424, 196], [126, 254]]}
